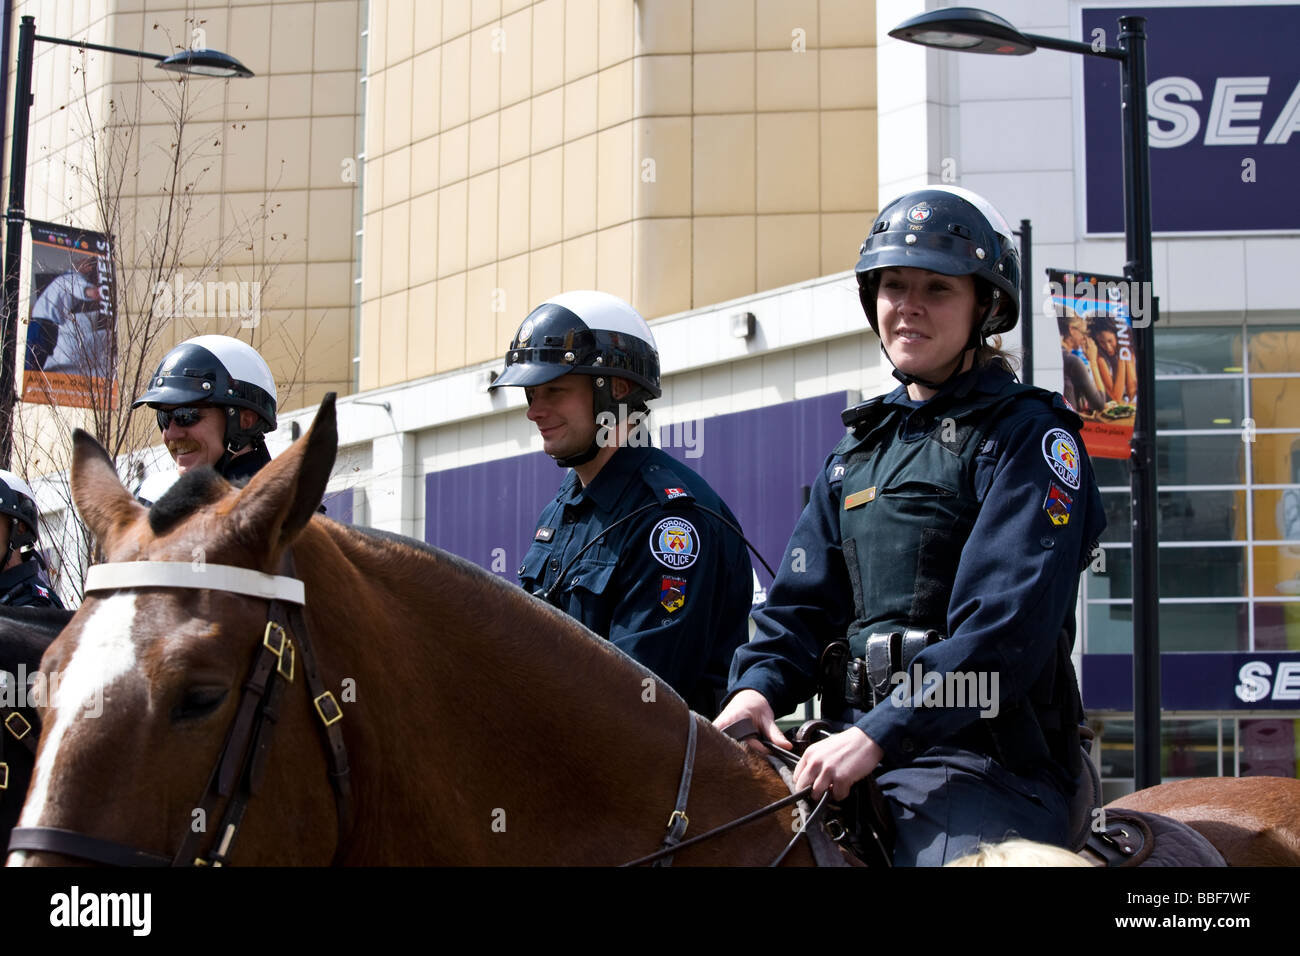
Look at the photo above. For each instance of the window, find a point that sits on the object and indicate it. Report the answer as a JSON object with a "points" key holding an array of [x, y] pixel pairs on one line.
{"points": [[1228, 470]]}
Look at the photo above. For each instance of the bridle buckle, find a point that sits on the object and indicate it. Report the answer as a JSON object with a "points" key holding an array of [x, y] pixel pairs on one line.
{"points": [[281, 648], [17, 718], [336, 712]]}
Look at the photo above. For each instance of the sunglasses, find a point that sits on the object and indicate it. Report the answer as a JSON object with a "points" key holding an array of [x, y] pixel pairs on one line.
{"points": [[183, 417]]}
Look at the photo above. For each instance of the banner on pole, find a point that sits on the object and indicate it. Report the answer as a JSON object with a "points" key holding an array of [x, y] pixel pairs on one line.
{"points": [[72, 319], [1099, 357]]}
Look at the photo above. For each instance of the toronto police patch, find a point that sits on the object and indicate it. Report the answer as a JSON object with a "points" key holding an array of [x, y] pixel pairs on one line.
{"points": [[920, 212], [672, 594], [1058, 505], [1062, 456], [675, 543]]}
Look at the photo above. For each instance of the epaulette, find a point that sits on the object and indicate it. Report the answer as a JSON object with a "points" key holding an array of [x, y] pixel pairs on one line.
{"points": [[666, 486]]}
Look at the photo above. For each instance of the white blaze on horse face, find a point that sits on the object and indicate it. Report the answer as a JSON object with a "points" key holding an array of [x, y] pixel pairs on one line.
{"points": [[104, 654]]}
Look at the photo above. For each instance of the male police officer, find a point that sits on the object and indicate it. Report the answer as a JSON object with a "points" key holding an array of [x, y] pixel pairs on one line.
{"points": [[215, 399], [636, 546], [22, 578]]}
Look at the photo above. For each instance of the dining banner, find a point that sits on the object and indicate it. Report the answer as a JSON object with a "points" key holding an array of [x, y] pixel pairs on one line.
{"points": [[1098, 357]]}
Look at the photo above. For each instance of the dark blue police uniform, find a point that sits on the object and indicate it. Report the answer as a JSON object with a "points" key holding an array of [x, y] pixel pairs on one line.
{"points": [[26, 586], [238, 469], [997, 573], [670, 587]]}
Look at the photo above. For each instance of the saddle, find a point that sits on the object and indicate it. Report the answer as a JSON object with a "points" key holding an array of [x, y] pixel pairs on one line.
{"points": [[1124, 838]]}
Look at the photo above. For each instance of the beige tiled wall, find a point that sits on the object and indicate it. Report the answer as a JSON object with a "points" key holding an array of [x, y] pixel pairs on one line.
{"points": [[275, 199], [674, 152]]}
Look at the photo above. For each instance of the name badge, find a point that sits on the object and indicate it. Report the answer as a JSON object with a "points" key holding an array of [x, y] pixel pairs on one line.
{"points": [[860, 498]]}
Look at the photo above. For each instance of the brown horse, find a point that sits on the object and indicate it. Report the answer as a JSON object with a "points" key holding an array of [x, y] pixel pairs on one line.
{"points": [[481, 725], [1252, 821]]}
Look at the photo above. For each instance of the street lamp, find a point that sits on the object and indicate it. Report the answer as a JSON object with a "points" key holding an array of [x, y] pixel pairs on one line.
{"points": [[967, 30], [195, 62]]}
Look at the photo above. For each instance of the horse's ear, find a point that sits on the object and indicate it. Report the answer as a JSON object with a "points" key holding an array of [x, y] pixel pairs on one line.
{"points": [[283, 496], [103, 503]]}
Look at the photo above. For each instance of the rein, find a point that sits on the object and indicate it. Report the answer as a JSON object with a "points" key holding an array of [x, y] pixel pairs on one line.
{"points": [[244, 754], [737, 731]]}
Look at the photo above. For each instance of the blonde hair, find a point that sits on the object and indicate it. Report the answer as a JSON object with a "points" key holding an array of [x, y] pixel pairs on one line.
{"points": [[1019, 853]]}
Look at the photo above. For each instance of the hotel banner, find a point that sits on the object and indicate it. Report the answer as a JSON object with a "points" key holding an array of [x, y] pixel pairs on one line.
{"points": [[70, 332], [1099, 356]]}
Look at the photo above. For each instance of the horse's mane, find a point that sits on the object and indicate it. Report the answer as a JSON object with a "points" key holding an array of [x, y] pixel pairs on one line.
{"points": [[192, 490]]}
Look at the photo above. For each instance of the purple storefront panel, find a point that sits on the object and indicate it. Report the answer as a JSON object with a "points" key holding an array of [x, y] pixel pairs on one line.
{"points": [[1223, 87], [758, 461], [338, 505]]}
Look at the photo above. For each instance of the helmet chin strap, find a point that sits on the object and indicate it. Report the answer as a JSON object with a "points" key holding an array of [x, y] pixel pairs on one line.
{"points": [[602, 401]]}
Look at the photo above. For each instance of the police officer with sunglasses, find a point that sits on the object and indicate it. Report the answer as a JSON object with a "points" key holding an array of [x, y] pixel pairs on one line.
{"points": [[215, 400]]}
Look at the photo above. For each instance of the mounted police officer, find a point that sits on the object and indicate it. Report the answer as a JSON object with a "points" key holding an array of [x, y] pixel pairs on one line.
{"points": [[215, 400], [635, 545], [944, 541], [22, 578]]}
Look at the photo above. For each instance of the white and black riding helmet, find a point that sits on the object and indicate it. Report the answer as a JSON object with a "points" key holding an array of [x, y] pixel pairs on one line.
{"points": [[217, 370], [588, 333], [19, 502], [952, 231]]}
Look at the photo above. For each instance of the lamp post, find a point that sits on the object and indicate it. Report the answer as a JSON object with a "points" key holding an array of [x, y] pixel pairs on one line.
{"points": [[193, 62], [968, 30], [1026, 236]]}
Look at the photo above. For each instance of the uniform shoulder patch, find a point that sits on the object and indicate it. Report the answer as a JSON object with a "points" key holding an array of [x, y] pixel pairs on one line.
{"points": [[1061, 453], [1058, 505], [675, 543], [672, 594]]}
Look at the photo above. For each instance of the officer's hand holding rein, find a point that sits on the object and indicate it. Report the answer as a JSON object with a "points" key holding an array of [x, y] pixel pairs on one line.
{"points": [[837, 763], [752, 704]]}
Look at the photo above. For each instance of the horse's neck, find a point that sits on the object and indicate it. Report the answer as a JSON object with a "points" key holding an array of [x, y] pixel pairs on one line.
{"points": [[505, 731]]}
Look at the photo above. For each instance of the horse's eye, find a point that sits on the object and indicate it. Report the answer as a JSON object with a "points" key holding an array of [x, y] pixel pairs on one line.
{"points": [[198, 702]]}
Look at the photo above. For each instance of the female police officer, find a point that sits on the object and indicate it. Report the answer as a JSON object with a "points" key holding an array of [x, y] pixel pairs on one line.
{"points": [[933, 599]]}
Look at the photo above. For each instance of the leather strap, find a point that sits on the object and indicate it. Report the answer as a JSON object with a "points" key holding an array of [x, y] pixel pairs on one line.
{"points": [[330, 714], [678, 821], [71, 843]]}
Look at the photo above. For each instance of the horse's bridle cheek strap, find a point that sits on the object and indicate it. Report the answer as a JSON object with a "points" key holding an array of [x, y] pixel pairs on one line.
{"points": [[241, 765]]}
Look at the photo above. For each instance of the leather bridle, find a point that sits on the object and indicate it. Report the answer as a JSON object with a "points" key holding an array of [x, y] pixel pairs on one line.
{"points": [[241, 765]]}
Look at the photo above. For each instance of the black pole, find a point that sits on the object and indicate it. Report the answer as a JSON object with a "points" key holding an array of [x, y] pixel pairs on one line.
{"points": [[15, 218], [1028, 309], [1137, 270]]}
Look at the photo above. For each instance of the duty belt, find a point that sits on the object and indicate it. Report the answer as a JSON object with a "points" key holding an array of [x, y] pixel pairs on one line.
{"points": [[867, 681]]}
